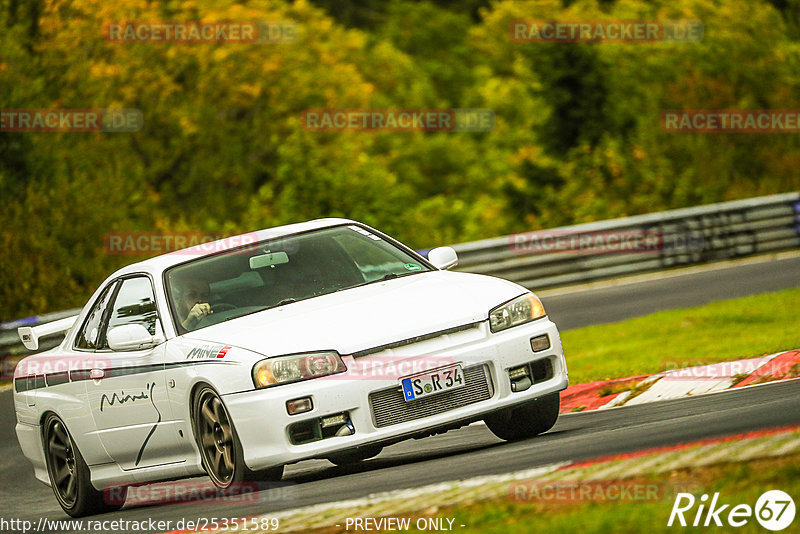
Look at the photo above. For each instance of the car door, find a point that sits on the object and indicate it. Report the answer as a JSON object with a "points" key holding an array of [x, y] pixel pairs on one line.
{"points": [[128, 399]]}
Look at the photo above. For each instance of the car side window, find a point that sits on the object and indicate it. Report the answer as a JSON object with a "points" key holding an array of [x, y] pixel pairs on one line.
{"points": [[135, 304], [89, 336]]}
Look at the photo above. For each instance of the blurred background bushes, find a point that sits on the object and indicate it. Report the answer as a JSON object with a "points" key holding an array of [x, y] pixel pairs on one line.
{"points": [[222, 150]]}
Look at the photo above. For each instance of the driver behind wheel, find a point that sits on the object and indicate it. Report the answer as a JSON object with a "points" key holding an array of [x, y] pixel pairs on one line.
{"points": [[192, 303]]}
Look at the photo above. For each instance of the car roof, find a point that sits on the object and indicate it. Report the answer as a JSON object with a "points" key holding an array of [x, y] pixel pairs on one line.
{"points": [[159, 264]]}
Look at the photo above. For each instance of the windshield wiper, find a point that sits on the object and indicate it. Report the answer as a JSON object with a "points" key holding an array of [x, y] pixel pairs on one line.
{"points": [[279, 304]]}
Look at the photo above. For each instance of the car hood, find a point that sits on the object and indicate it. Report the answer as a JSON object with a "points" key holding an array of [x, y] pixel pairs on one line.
{"points": [[366, 317]]}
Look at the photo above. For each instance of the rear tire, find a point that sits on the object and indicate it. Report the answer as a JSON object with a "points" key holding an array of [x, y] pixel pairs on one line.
{"points": [[526, 420], [69, 475], [220, 448], [354, 456]]}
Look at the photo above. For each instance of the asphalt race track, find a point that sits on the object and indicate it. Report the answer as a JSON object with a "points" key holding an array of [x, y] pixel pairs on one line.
{"points": [[473, 450], [616, 303], [470, 451]]}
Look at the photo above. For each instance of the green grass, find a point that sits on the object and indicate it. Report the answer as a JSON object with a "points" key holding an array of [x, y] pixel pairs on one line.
{"points": [[740, 483], [720, 331]]}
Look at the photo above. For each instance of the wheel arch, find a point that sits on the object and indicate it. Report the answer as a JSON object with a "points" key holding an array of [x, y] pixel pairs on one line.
{"points": [[197, 386], [45, 414]]}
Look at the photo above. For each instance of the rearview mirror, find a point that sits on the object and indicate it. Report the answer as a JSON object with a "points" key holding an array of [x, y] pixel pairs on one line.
{"points": [[131, 337], [270, 259], [443, 257]]}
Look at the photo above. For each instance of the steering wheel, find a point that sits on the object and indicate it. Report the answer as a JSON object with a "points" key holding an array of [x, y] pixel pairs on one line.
{"points": [[208, 320]]}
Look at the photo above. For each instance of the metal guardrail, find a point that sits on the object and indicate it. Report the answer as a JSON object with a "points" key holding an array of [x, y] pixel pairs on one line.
{"points": [[685, 237]]}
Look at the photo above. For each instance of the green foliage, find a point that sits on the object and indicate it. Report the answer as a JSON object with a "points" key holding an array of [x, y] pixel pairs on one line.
{"points": [[577, 134]]}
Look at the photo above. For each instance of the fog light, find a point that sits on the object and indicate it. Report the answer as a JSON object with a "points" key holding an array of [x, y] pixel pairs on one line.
{"points": [[521, 385], [518, 372], [296, 406], [333, 420], [540, 343], [346, 430]]}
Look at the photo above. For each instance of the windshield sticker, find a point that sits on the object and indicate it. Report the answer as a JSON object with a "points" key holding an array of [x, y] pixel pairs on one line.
{"points": [[364, 232], [412, 267]]}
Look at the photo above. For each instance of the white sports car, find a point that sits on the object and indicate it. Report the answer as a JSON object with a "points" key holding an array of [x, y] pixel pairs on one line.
{"points": [[325, 339]]}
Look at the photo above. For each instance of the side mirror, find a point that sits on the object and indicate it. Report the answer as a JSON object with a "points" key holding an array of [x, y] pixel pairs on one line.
{"points": [[443, 257], [131, 337]]}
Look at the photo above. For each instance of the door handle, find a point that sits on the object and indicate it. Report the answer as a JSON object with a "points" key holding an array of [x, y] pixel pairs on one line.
{"points": [[96, 374]]}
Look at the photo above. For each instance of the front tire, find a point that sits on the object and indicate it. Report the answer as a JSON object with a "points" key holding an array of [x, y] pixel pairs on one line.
{"points": [[527, 420], [69, 475], [220, 448]]}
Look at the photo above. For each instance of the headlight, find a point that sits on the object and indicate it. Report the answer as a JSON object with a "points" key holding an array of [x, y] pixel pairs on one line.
{"points": [[518, 311], [288, 369]]}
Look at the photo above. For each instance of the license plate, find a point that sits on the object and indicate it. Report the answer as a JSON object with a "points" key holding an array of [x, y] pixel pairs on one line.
{"points": [[432, 382]]}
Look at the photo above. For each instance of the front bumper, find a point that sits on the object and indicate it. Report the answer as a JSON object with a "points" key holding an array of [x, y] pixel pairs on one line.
{"points": [[268, 433]]}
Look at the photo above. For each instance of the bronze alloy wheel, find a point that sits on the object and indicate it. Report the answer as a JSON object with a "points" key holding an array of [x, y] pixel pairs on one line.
{"points": [[220, 449], [215, 437], [69, 475], [61, 460]]}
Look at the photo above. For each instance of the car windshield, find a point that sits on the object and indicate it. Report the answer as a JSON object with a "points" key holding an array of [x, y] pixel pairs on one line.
{"points": [[281, 271]]}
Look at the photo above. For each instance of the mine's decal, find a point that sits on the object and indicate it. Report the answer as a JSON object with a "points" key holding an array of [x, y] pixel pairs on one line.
{"points": [[121, 398], [155, 425], [207, 351]]}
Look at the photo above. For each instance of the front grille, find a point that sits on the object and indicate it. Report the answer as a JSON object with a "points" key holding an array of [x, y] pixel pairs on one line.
{"points": [[390, 408]]}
